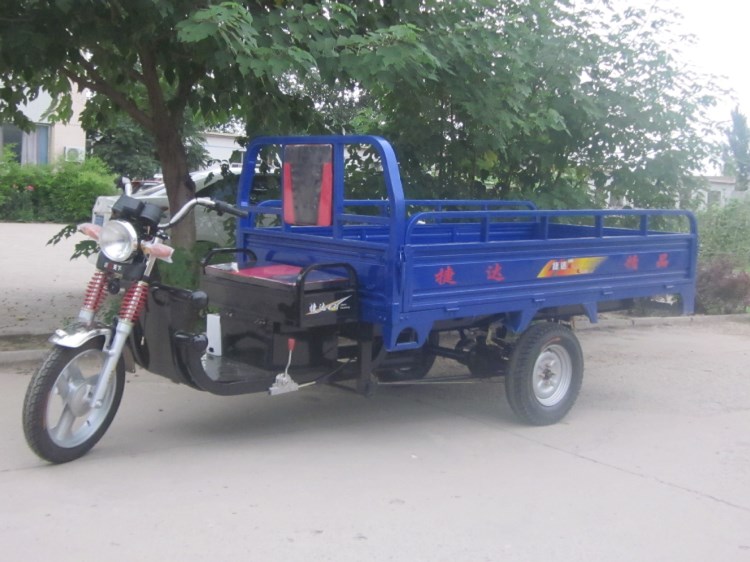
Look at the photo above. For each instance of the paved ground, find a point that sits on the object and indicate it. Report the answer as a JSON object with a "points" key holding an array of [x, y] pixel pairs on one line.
{"points": [[40, 288], [653, 463]]}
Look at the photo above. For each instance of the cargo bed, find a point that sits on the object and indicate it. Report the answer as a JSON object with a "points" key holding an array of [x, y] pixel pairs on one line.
{"points": [[423, 264]]}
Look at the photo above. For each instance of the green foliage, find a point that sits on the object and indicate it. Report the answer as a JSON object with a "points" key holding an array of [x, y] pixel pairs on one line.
{"points": [[570, 106], [84, 248], [724, 233], [127, 148], [76, 187], [541, 99], [737, 160], [536, 99], [724, 259], [20, 188], [184, 271], [723, 288], [155, 59], [62, 193]]}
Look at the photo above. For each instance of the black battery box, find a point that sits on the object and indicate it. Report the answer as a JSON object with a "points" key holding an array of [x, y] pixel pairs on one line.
{"points": [[289, 295]]}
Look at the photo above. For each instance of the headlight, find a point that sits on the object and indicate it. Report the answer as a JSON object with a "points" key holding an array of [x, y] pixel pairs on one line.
{"points": [[118, 240]]}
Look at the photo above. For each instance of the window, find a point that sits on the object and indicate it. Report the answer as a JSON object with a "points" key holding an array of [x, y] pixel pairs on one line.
{"points": [[12, 137], [28, 148]]}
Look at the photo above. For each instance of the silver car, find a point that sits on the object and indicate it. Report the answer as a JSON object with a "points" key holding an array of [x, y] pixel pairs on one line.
{"points": [[208, 183]]}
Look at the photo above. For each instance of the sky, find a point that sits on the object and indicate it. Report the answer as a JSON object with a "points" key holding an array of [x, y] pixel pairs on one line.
{"points": [[722, 45], [721, 49], [721, 30]]}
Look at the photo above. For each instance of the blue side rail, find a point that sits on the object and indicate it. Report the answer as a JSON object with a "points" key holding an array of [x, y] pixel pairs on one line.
{"points": [[460, 264]]}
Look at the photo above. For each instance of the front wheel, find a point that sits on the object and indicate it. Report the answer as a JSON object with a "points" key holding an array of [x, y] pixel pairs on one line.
{"points": [[59, 423], [544, 374]]}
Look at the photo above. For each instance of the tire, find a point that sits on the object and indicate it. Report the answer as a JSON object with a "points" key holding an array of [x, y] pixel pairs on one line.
{"points": [[418, 369], [63, 428], [544, 374]]}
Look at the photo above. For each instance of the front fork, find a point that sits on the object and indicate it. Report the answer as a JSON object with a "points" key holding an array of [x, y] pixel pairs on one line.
{"points": [[85, 328]]}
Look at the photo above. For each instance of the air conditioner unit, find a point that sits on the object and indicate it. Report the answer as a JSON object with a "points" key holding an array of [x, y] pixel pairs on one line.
{"points": [[74, 153]]}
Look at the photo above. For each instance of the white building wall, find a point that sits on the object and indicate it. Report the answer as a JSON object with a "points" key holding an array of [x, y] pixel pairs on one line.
{"points": [[221, 146], [69, 134], [60, 135], [720, 190], [36, 109]]}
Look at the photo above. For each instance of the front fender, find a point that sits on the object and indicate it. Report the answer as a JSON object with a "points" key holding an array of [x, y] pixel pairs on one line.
{"points": [[76, 334]]}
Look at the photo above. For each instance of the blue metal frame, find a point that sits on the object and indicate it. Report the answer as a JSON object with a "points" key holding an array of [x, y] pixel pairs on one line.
{"points": [[339, 143], [466, 258]]}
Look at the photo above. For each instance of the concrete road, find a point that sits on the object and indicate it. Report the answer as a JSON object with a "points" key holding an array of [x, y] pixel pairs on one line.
{"points": [[40, 287], [653, 463]]}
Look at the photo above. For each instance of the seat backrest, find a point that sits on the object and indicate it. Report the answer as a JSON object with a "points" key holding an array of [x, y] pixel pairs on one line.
{"points": [[307, 184]]}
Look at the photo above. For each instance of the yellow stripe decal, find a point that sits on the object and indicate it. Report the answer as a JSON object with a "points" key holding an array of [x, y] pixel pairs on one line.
{"points": [[570, 266]]}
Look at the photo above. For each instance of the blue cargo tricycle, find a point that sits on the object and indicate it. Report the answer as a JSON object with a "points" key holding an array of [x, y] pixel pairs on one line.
{"points": [[325, 285]]}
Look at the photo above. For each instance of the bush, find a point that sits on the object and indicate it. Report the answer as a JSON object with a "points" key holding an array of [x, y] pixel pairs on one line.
{"points": [[75, 189], [724, 259], [62, 193], [722, 287], [725, 232]]}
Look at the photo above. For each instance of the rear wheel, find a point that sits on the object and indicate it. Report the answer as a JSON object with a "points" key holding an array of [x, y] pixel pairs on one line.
{"points": [[417, 363], [59, 423], [545, 374]]}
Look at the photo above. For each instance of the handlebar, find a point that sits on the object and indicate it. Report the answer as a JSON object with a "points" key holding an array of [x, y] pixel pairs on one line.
{"points": [[224, 207], [218, 206]]}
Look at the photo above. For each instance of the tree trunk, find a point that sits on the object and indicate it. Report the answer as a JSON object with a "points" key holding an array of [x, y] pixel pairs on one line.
{"points": [[173, 158]]}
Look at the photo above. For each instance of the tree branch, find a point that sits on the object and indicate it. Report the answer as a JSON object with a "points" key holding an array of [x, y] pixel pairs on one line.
{"points": [[97, 52], [153, 87], [94, 81], [184, 87]]}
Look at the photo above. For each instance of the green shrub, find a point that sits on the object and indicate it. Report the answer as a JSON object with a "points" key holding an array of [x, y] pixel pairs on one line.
{"points": [[722, 287], [75, 189], [62, 193], [20, 187], [725, 232]]}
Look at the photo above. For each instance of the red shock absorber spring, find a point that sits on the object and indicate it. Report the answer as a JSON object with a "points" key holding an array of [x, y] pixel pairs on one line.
{"points": [[95, 291], [133, 301]]}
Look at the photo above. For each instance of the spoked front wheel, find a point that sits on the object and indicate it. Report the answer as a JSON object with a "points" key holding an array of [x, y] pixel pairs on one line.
{"points": [[59, 421], [545, 373]]}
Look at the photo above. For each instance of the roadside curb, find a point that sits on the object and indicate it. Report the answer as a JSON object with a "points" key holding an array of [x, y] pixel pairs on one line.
{"points": [[8, 358], [623, 322]]}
